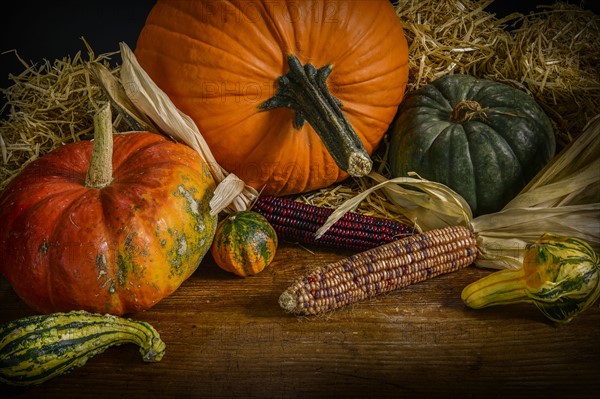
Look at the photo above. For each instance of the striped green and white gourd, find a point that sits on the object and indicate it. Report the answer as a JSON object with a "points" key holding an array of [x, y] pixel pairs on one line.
{"points": [[37, 348]]}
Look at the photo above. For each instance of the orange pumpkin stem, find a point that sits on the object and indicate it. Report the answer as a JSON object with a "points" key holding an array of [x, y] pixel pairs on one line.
{"points": [[304, 90], [99, 173]]}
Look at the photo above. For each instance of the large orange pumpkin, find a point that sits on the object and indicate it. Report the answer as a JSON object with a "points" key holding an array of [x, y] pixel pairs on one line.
{"points": [[114, 247], [250, 72]]}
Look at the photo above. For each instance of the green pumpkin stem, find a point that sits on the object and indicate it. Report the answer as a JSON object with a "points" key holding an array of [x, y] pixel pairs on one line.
{"points": [[304, 90], [99, 173]]}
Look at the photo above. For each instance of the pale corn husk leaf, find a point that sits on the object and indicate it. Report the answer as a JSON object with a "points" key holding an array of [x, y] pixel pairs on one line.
{"points": [[575, 169], [153, 102], [427, 204], [502, 237], [226, 192], [115, 92], [562, 199]]}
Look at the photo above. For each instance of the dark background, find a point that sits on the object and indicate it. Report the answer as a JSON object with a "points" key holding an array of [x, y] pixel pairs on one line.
{"points": [[52, 29]]}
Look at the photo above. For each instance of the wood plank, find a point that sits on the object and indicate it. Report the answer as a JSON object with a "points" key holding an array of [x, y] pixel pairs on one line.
{"points": [[227, 337]]}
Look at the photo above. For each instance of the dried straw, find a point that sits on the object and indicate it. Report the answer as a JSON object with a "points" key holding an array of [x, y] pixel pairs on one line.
{"points": [[451, 36], [47, 106], [554, 54]]}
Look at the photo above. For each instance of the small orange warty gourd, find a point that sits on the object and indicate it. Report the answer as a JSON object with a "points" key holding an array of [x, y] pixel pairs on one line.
{"points": [[245, 243], [116, 247], [251, 72]]}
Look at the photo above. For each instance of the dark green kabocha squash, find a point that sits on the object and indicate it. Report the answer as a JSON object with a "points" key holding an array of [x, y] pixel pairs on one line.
{"points": [[483, 139]]}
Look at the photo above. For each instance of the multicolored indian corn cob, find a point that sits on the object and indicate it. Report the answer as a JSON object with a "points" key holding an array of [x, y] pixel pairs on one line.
{"points": [[297, 222], [379, 270]]}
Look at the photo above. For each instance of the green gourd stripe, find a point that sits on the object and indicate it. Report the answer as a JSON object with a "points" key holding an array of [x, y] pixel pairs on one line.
{"points": [[57, 348], [61, 367], [42, 333], [76, 326]]}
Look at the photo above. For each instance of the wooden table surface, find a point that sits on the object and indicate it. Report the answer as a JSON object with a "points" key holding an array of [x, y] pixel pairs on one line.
{"points": [[228, 337]]}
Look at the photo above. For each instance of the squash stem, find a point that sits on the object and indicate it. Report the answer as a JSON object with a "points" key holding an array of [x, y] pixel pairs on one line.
{"points": [[99, 173], [499, 288], [304, 90], [467, 110]]}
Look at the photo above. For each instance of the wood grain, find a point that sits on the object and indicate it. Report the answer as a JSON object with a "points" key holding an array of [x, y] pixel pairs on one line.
{"points": [[227, 337]]}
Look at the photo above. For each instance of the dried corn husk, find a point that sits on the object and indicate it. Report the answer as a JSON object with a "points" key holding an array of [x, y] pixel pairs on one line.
{"points": [[563, 199], [427, 204]]}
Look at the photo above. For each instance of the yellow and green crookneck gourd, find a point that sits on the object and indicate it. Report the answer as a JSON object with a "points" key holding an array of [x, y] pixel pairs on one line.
{"points": [[245, 243], [82, 232], [483, 139], [37, 348], [560, 275]]}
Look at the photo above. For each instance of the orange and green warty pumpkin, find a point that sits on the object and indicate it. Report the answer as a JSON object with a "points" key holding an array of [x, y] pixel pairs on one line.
{"points": [[290, 95], [117, 243]]}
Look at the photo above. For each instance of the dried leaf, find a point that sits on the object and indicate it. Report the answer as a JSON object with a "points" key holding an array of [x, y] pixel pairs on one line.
{"points": [[148, 98], [428, 205]]}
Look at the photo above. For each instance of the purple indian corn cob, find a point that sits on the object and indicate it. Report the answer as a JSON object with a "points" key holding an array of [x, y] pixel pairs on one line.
{"points": [[297, 222], [380, 270]]}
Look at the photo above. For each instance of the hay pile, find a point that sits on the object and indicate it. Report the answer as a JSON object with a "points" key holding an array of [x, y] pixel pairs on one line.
{"points": [[553, 54], [449, 37], [47, 106]]}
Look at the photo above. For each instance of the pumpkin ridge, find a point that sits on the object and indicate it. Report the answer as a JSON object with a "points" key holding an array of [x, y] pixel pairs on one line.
{"points": [[128, 171], [123, 149], [237, 56], [496, 164], [273, 38], [277, 32], [462, 131], [184, 12], [365, 112], [54, 266], [43, 247], [381, 75], [280, 160], [372, 25], [478, 92], [435, 96], [251, 22]]}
